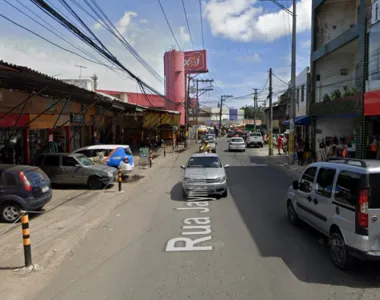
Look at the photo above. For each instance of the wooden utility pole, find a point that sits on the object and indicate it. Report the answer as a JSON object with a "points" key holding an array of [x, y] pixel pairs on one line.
{"points": [[270, 115]]}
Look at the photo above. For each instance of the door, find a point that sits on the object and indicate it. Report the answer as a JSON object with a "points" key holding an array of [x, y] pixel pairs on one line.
{"points": [[51, 166], [321, 204], [305, 193], [71, 172]]}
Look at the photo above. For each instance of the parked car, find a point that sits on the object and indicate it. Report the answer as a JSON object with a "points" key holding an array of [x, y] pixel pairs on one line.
{"points": [[204, 175], [75, 168], [255, 139], [341, 199], [22, 188], [236, 144], [112, 159]]}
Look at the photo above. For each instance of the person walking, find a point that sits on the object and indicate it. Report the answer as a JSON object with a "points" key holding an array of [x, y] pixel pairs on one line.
{"points": [[300, 151]]}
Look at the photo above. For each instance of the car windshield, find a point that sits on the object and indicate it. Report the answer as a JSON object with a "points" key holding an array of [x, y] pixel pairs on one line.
{"points": [[238, 140], [204, 162], [84, 160]]}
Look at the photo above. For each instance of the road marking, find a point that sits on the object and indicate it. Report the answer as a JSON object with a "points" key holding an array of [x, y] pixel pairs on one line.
{"points": [[193, 226]]}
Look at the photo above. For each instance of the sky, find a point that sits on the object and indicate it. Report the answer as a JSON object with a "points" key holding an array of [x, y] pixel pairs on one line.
{"points": [[243, 39]]}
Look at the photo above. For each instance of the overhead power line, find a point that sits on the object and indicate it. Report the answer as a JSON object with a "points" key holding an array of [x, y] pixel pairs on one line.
{"points": [[99, 48], [200, 11], [167, 21], [187, 22], [280, 79]]}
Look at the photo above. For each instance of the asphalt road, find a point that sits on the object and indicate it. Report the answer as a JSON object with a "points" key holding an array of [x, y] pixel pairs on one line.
{"points": [[245, 248]]}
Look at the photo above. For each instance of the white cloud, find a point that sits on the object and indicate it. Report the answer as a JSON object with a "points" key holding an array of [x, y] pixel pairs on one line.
{"points": [[143, 21], [123, 24], [98, 25], [306, 44], [250, 58], [241, 20], [184, 35]]}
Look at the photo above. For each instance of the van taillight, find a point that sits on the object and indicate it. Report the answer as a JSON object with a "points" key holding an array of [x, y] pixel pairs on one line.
{"points": [[126, 160], [25, 181], [363, 208]]}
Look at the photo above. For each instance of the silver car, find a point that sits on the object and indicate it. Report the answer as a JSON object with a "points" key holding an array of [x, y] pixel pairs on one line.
{"points": [[236, 144], [204, 175], [74, 168]]}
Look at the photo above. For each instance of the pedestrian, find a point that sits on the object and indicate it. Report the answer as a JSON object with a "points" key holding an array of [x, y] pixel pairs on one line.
{"points": [[300, 151], [279, 143]]}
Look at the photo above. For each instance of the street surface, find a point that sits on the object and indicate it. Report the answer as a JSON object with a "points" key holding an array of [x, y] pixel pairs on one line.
{"points": [[157, 246]]}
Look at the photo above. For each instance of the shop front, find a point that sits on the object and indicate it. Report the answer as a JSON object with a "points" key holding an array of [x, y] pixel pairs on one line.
{"points": [[335, 136], [80, 133], [43, 138], [14, 138]]}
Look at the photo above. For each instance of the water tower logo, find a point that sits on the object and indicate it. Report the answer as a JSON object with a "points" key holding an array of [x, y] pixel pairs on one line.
{"points": [[195, 61]]}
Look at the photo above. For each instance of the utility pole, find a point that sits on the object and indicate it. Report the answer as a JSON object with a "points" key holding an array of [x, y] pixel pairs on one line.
{"points": [[293, 80], [254, 108], [222, 99], [80, 70], [270, 115], [197, 108], [187, 100]]}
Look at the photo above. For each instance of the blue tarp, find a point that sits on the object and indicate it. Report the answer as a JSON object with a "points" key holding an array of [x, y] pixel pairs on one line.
{"points": [[300, 120]]}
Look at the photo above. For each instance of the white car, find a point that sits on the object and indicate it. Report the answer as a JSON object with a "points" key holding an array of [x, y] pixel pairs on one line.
{"points": [[91, 152], [255, 139], [236, 144]]}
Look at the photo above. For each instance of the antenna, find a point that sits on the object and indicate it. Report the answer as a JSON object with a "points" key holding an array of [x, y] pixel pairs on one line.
{"points": [[80, 70]]}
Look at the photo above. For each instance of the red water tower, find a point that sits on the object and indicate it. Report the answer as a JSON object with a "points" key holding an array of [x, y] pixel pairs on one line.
{"points": [[174, 70]]}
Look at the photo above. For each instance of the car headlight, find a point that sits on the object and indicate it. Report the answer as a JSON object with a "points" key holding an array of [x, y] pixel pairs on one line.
{"points": [[187, 179], [221, 179]]}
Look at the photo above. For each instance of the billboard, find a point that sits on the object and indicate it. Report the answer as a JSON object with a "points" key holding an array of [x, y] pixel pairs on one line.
{"points": [[195, 61]]}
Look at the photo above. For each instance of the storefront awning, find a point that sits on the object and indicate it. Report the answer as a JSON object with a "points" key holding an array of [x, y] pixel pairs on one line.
{"points": [[300, 120]]}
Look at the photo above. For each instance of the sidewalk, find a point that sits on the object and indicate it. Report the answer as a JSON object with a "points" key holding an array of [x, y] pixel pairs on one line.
{"points": [[67, 220]]}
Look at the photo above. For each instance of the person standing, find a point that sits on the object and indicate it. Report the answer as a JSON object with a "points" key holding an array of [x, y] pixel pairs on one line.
{"points": [[279, 143], [300, 151]]}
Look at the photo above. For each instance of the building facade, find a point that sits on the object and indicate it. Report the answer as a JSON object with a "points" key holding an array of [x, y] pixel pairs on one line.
{"points": [[339, 72]]}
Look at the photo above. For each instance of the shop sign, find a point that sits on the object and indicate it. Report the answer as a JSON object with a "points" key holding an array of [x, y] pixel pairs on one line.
{"points": [[78, 119], [11, 120], [144, 156], [375, 12]]}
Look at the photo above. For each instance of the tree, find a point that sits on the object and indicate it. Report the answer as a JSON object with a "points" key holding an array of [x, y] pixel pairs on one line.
{"points": [[249, 112]]}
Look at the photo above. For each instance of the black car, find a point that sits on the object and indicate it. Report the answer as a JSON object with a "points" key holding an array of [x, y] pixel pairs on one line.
{"points": [[22, 188]]}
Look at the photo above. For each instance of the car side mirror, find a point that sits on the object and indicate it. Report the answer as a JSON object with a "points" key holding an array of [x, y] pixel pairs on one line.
{"points": [[78, 166], [227, 166], [296, 185], [183, 167]]}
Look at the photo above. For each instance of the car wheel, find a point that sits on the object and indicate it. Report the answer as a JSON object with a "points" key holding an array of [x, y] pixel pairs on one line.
{"points": [[184, 194], [340, 256], [225, 194], [94, 183], [10, 212], [292, 215], [244, 150]]}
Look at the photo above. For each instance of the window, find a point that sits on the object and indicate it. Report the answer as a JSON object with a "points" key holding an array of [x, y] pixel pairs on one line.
{"points": [[307, 180], [9, 179], [347, 188], [303, 93], [204, 162], [51, 161], [128, 151], [69, 161], [374, 200], [325, 181]]}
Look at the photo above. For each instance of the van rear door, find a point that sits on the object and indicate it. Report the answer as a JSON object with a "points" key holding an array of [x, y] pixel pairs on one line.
{"points": [[374, 212]]}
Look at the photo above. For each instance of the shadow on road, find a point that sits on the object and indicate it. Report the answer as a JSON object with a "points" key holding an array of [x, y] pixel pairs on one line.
{"points": [[261, 204], [176, 192]]}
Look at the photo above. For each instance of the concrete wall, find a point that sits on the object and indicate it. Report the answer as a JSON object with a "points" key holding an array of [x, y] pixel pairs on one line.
{"points": [[329, 68], [301, 92], [335, 17]]}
